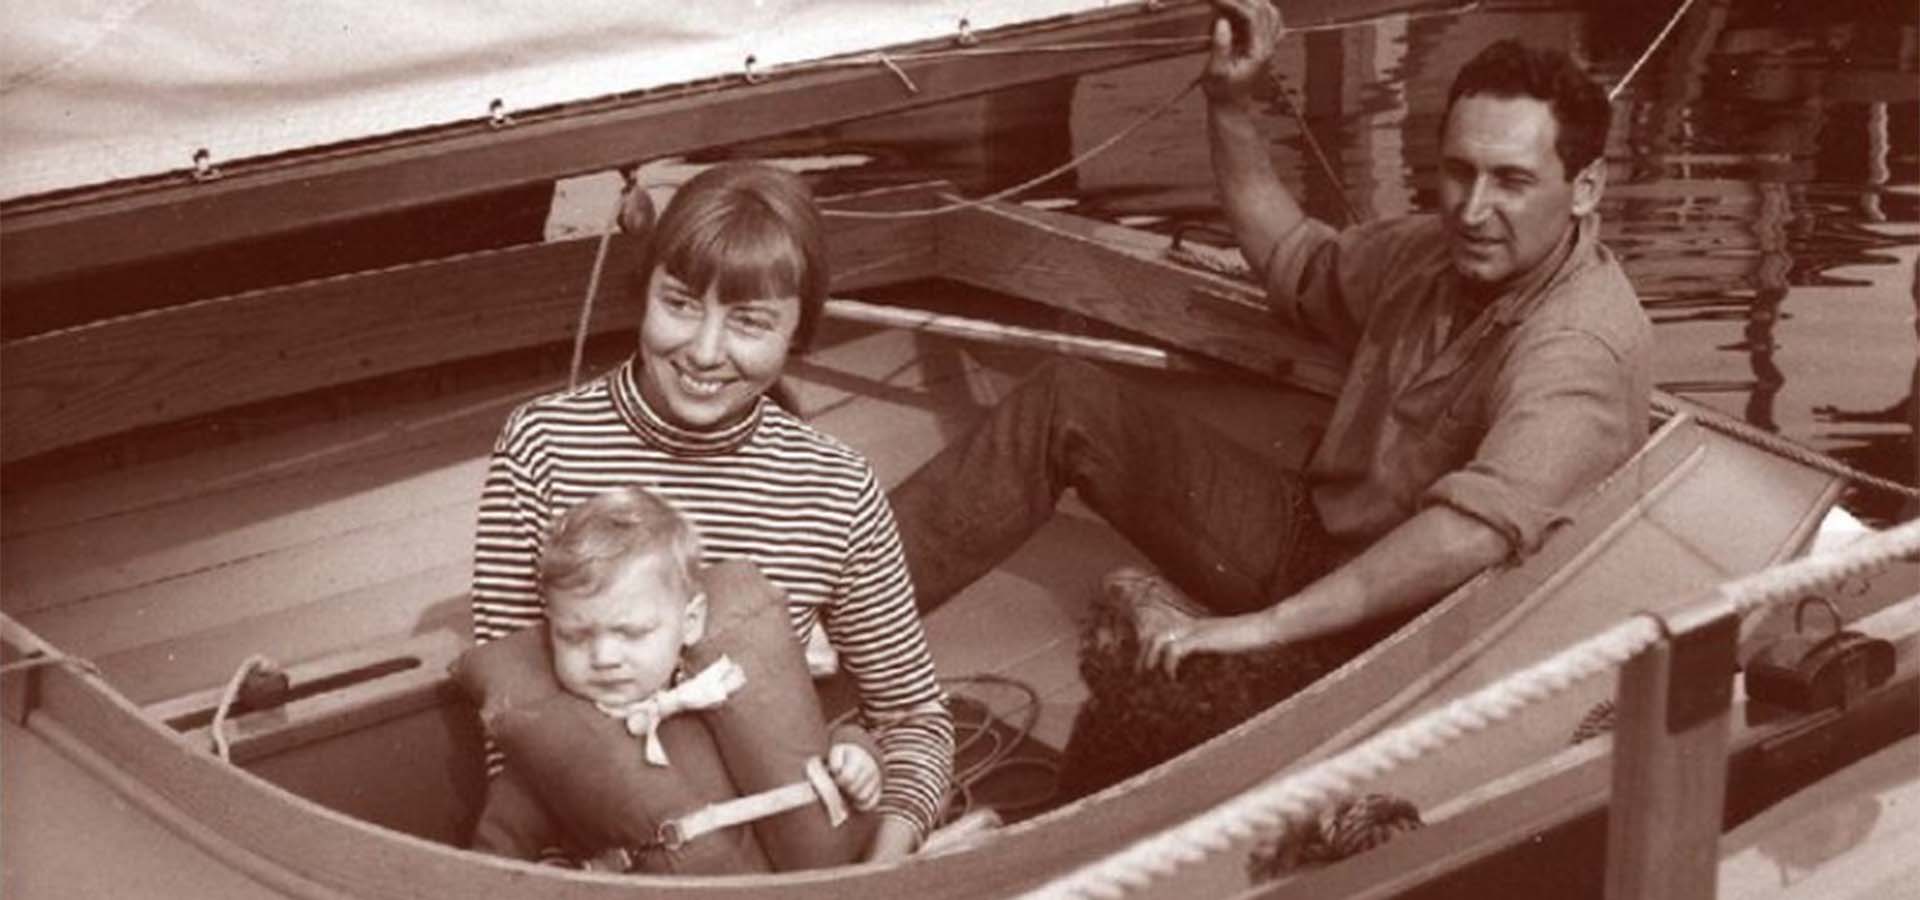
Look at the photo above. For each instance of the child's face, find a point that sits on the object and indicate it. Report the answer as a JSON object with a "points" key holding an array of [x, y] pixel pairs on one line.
{"points": [[621, 644]]}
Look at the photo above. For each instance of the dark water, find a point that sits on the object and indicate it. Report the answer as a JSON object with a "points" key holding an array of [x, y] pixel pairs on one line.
{"points": [[1764, 181]]}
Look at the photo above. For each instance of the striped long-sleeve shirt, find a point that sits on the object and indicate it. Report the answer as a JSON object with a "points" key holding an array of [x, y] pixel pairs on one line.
{"points": [[804, 507]]}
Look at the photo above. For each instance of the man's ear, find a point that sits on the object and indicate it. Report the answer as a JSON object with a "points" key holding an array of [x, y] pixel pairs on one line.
{"points": [[696, 621], [1588, 185]]}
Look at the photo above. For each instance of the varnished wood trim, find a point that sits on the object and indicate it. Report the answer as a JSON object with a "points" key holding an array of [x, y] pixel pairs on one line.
{"points": [[1119, 276], [69, 386]]}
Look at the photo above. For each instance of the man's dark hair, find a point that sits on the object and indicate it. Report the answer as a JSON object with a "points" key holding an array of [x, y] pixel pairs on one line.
{"points": [[1580, 107]]}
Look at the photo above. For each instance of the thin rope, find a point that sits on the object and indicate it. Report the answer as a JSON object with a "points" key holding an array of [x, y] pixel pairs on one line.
{"points": [[228, 696], [1658, 39], [1313, 143], [1767, 440], [999, 758], [892, 61], [1292, 800], [1733, 428], [593, 288], [50, 657], [1077, 161]]}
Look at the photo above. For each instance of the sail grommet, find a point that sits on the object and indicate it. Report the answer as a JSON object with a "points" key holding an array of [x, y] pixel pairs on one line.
{"points": [[497, 115], [203, 167]]}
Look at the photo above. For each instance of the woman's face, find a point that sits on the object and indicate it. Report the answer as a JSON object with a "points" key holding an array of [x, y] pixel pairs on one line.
{"points": [[704, 363]]}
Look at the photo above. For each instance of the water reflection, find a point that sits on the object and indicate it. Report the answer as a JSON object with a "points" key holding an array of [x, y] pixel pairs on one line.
{"points": [[1764, 167]]}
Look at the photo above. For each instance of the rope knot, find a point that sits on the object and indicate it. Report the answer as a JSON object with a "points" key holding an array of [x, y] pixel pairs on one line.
{"points": [[709, 689]]}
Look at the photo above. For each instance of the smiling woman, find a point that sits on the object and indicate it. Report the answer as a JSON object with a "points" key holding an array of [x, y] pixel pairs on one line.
{"points": [[734, 278]]}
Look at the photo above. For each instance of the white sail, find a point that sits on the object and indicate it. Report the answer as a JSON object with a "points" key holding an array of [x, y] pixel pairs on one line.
{"points": [[100, 91]]}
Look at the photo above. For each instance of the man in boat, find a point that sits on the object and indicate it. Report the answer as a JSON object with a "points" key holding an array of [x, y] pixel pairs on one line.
{"points": [[1499, 370]]}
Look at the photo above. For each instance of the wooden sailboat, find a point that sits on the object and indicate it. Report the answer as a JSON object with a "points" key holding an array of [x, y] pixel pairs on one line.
{"points": [[338, 544]]}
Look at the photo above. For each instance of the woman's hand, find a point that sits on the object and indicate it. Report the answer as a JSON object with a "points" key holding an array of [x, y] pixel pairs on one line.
{"points": [[856, 773], [1243, 35], [1166, 648]]}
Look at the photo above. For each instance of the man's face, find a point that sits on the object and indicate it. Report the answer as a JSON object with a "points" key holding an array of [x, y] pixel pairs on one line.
{"points": [[1504, 193]]}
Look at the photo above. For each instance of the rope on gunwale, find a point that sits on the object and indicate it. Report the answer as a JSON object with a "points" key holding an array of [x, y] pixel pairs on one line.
{"points": [[1773, 443], [1294, 799], [228, 696]]}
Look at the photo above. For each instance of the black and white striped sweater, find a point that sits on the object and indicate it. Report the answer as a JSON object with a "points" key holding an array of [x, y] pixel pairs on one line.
{"points": [[804, 507]]}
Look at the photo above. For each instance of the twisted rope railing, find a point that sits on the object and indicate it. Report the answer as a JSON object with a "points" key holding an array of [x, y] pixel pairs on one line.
{"points": [[1292, 800]]}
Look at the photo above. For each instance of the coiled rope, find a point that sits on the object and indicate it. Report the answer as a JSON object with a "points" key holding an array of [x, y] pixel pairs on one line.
{"points": [[971, 731], [1292, 800]]}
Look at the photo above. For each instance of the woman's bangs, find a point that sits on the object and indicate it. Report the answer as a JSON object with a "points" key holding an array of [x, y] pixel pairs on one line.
{"points": [[741, 257]]}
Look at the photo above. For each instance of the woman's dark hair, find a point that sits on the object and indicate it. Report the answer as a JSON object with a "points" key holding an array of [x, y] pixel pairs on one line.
{"points": [[1580, 107], [747, 230]]}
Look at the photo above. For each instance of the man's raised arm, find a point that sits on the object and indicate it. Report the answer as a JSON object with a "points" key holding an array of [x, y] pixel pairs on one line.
{"points": [[1260, 209]]}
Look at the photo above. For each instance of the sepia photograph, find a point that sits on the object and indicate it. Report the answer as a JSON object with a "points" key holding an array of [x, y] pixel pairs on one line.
{"points": [[960, 449]]}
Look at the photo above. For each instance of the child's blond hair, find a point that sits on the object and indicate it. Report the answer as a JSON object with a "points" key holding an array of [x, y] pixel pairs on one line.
{"points": [[588, 544]]}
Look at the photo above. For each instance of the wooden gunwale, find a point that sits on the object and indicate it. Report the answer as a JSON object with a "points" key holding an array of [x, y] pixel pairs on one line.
{"points": [[54, 236], [1556, 809]]}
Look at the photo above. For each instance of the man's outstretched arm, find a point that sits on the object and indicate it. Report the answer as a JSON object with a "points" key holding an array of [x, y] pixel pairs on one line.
{"points": [[1414, 564]]}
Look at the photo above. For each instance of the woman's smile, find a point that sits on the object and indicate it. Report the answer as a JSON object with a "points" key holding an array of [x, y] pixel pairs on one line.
{"points": [[706, 361]]}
